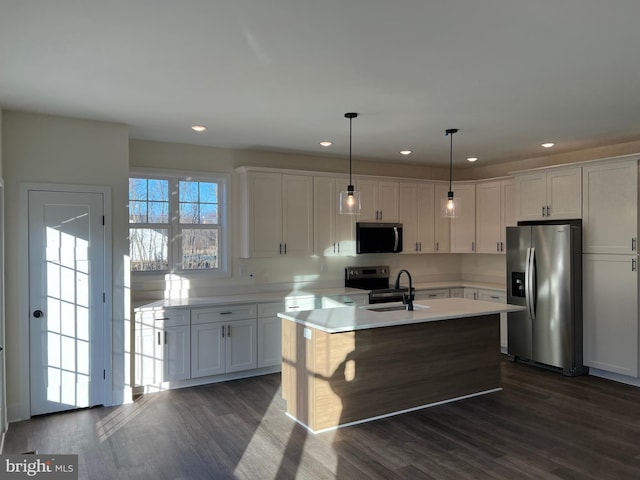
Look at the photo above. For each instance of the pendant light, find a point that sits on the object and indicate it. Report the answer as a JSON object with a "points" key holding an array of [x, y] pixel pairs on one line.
{"points": [[450, 205], [350, 200]]}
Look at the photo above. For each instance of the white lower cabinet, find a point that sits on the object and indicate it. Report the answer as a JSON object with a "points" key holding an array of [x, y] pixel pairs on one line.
{"points": [[162, 346], [223, 346], [269, 334], [610, 312]]}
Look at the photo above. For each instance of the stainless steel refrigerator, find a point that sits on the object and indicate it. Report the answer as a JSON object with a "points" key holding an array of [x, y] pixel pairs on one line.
{"points": [[544, 274]]}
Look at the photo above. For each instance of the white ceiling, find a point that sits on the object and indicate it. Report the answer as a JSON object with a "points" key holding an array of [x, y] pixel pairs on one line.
{"points": [[279, 75]]}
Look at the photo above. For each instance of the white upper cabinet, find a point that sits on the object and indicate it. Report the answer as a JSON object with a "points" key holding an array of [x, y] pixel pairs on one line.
{"points": [[495, 211], [417, 214], [442, 225], [610, 208], [379, 200], [277, 214], [549, 195], [334, 234], [463, 227]]}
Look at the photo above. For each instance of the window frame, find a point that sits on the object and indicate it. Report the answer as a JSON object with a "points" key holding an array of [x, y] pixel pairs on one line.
{"points": [[174, 227]]}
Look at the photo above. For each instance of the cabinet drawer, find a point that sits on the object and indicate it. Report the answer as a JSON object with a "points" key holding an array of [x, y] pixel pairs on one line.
{"points": [[294, 304], [437, 293], [492, 296], [223, 314], [270, 309], [163, 317]]}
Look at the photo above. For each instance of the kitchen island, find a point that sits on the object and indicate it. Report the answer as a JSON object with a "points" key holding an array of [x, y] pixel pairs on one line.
{"points": [[354, 364]]}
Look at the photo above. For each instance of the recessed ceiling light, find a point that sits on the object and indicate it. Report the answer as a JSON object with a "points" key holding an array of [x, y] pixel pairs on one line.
{"points": [[326, 143], [547, 145], [406, 152], [472, 159], [198, 128]]}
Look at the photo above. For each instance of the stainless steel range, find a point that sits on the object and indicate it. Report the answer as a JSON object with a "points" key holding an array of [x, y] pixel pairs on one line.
{"points": [[376, 280]]}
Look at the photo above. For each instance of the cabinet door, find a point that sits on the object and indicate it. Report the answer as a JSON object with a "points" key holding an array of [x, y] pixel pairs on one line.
{"points": [[388, 201], [149, 353], [564, 194], [610, 313], [426, 218], [488, 217], [463, 227], [369, 198], [269, 341], [610, 208], [507, 210], [531, 196], [431, 294], [207, 349], [297, 215], [177, 353], [241, 349], [471, 293], [442, 224], [265, 213], [409, 217], [345, 224], [325, 203]]}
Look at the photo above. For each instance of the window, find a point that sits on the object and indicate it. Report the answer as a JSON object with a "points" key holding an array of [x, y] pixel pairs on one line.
{"points": [[177, 223]]}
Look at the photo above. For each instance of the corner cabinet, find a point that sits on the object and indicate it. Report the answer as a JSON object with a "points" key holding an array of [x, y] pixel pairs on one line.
{"points": [[333, 234], [276, 214], [554, 194]]}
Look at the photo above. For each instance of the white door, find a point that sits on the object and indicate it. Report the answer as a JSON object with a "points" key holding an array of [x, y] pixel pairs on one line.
{"points": [[66, 300]]}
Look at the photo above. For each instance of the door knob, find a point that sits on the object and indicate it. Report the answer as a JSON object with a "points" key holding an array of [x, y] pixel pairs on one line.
{"points": [[38, 313]]}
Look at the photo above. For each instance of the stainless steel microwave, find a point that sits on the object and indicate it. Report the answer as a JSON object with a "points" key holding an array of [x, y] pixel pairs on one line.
{"points": [[378, 237]]}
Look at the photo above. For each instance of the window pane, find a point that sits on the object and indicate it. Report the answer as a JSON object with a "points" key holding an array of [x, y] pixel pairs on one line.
{"points": [[148, 249], [158, 212], [199, 248], [137, 189], [188, 191], [209, 214], [158, 190], [137, 212], [208, 192], [189, 213]]}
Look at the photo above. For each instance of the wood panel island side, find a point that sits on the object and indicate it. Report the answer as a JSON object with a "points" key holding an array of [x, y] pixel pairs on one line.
{"points": [[353, 364]]}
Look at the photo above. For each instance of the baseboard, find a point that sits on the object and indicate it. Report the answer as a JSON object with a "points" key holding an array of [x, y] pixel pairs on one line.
{"points": [[616, 377]]}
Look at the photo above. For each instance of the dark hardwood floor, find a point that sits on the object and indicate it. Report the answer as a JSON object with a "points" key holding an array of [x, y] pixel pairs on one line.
{"points": [[541, 425]]}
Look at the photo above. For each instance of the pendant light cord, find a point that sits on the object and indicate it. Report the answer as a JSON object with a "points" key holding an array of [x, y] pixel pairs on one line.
{"points": [[450, 161], [350, 127]]}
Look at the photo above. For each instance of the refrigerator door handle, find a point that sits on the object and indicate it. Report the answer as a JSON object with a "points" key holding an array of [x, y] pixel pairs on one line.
{"points": [[531, 282]]}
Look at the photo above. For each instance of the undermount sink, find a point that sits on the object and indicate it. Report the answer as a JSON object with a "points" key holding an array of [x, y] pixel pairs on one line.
{"points": [[393, 308]]}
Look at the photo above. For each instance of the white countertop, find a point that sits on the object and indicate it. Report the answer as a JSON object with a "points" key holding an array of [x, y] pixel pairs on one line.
{"points": [[275, 296], [347, 319]]}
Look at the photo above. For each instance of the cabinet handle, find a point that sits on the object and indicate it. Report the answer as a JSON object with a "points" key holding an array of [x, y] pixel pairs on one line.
{"points": [[380, 214], [338, 247], [159, 338], [543, 210], [280, 250], [473, 246], [497, 246], [437, 246], [548, 211], [165, 337], [633, 264], [633, 244], [225, 313], [416, 246], [420, 244], [229, 330], [285, 248], [501, 246]]}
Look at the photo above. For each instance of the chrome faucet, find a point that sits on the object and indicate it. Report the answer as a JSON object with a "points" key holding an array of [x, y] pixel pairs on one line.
{"points": [[407, 299]]}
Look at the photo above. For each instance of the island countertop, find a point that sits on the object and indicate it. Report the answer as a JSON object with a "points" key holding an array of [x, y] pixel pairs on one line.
{"points": [[348, 319]]}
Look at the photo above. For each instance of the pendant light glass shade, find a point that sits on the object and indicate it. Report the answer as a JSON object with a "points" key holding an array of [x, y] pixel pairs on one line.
{"points": [[450, 205], [350, 200]]}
